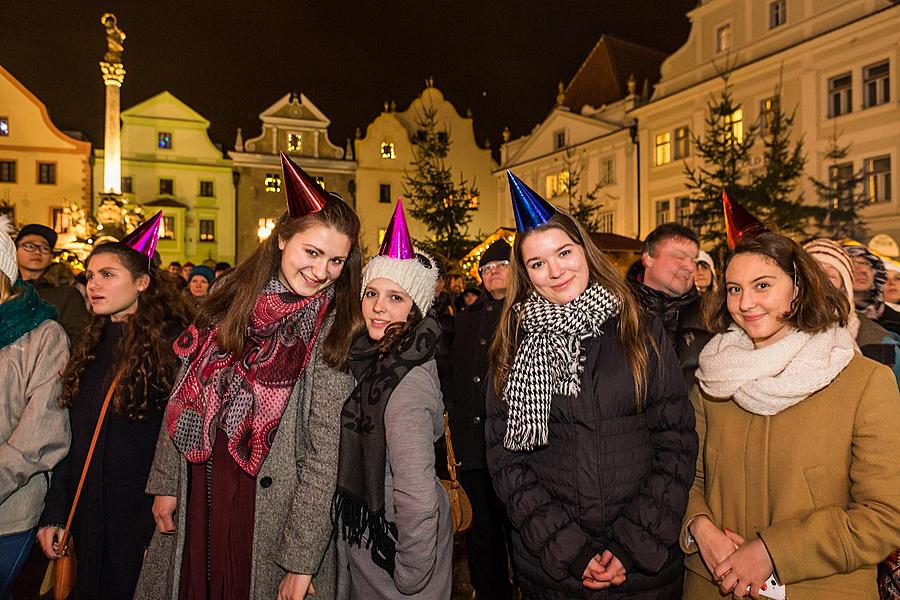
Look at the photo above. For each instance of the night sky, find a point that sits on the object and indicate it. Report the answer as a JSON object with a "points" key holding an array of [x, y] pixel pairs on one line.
{"points": [[230, 60]]}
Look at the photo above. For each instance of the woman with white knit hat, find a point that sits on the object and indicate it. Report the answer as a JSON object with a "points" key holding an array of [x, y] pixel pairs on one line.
{"points": [[395, 537], [34, 428], [892, 285], [705, 275]]}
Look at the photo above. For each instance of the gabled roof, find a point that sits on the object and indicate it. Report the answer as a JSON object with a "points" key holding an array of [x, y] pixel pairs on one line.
{"points": [[603, 76], [293, 106], [165, 106]]}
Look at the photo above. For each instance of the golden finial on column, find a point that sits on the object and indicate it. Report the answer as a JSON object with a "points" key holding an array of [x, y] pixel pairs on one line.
{"points": [[632, 84], [506, 134], [560, 94]]}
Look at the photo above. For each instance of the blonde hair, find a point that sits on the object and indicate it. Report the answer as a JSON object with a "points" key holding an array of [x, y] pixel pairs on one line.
{"points": [[7, 291]]}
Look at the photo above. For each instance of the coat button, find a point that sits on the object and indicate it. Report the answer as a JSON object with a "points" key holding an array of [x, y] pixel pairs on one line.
{"points": [[476, 379], [488, 308], [265, 482], [482, 341], [476, 420]]}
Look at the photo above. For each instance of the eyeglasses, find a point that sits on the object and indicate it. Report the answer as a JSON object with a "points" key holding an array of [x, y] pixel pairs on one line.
{"points": [[32, 248], [493, 266]]}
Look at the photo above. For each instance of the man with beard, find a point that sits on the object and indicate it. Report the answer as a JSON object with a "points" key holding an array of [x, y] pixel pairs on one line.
{"points": [[663, 281]]}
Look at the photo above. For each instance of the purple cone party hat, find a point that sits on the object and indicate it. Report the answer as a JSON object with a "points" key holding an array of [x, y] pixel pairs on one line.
{"points": [[304, 194], [397, 243], [738, 222], [530, 209], [144, 237]]}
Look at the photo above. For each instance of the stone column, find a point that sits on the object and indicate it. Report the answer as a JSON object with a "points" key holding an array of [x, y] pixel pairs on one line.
{"points": [[113, 77]]}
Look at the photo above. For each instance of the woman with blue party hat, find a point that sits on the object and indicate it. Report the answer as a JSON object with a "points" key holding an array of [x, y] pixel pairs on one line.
{"points": [[590, 436], [395, 537]]}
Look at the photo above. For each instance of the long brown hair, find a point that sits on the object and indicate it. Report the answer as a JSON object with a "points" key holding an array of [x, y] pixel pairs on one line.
{"points": [[145, 351], [631, 327], [231, 303], [817, 304]]}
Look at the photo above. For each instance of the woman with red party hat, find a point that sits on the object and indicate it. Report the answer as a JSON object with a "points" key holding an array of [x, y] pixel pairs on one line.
{"points": [[246, 463], [125, 355]]}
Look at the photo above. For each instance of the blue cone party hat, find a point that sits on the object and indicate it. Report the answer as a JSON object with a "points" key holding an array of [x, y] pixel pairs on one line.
{"points": [[531, 210], [144, 237], [397, 243]]}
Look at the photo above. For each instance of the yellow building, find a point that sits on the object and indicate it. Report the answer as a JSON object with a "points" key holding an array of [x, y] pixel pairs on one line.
{"points": [[384, 156], [170, 164], [42, 169]]}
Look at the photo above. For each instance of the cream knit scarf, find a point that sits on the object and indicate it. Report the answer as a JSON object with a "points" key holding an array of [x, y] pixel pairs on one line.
{"points": [[766, 381]]}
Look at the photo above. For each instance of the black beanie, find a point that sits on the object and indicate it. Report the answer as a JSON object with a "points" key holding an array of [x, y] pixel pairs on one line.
{"points": [[499, 250]]}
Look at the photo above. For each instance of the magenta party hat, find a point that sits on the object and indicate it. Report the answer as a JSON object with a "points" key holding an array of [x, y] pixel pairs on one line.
{"points": [[530, 209], [144, 237], [304, 194], [397, 243]]}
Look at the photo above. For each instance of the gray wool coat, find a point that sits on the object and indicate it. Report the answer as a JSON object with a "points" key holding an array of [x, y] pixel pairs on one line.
{"points": [[292, 529]]}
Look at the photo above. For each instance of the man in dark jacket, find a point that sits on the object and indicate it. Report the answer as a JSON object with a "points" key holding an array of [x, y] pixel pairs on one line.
{"points": [[34, 250], [664, 283], [869, 277], [475, 328]]}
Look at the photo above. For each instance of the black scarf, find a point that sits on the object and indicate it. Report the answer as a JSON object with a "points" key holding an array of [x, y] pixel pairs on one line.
{"points": [[667, 308], [358, 503]]}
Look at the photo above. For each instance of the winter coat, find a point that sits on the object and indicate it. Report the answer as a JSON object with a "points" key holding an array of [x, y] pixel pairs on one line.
{"points": [[879, 344], [414, 499], [69, 303], [292, 529], [610, 478], [34, 429], [818, 482], [889, 319], [113, 523], [475, 328]]}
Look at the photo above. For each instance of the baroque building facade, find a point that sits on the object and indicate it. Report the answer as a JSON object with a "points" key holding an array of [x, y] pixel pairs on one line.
{"points": [[43, 170], [293, 125], [170, 164]]}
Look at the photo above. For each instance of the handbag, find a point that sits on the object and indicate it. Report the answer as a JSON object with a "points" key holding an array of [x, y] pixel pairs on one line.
{"points": [[61, 572], [460, 507]]}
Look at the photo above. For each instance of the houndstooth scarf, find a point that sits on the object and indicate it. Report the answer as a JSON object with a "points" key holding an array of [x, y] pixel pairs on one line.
{"points": [[548, 361]]}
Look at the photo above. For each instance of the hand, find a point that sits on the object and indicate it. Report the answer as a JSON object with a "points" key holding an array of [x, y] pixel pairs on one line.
{"points": [[603, 571], [713, 543], [296, 586], [748, 567], [48, 538], [163, 510]]}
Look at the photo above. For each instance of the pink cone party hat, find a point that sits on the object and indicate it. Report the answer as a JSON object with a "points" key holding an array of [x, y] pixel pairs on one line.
{"points": [[304, 194], [144, 237], [738, 222], [397, 243]]}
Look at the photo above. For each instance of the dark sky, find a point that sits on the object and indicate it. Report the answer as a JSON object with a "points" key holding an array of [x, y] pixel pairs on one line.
{"points": [[230, 59]]}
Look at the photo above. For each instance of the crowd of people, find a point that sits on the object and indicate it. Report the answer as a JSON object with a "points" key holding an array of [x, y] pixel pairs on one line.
{"points": [[688, 429]]}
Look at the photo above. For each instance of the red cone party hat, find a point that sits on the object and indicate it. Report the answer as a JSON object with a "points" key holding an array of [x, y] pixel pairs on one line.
{"points": [[738, 222], [304, 194]]}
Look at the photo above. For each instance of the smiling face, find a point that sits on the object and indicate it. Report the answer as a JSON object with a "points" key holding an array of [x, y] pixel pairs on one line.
{"points": [[556, 265], [703, 277], [111, 288], [671, 268], [758, 296], [313, 259], [384, 302], [199, 286]]}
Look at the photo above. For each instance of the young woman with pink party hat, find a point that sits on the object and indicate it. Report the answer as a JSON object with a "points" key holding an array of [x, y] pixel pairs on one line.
{"points": [[395, 537], [137, 313], [246, 462]]}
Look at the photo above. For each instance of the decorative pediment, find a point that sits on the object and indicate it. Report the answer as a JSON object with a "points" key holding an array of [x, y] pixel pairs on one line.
{"points": [[164, 106], [576, 128], [295, 108]]}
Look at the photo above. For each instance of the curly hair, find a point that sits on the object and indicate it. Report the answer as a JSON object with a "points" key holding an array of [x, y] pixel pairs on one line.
{"points": [[145, 351]]}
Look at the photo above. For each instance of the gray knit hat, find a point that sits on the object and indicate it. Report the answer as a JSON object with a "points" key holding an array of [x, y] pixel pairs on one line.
{"points": [[417, 276], [8, 264]]}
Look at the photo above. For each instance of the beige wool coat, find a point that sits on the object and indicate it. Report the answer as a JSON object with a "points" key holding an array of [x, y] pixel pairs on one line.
{"points": [[818, 482], [292, 530]]}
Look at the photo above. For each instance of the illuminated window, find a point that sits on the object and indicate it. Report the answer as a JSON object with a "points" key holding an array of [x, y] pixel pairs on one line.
{"points": [[840, 95], [767, 115], [46, 173], [4, 126], [607, 171], [266, 226], [207, 230], [127, 185], [387, 151], [166, 187], [7, 171], [876, 84], [273, 182], [663, 148], [557, 183], [384, 193], [735, 123], [838, 177], [59, 219], [662, 212], [321, 182], [683, 211], [682, 144], [207, 189], [878, 179], [605, 222], [723, 38], [294, 143], [164, 141], [381, 234], [167, 228], [777, 13]]}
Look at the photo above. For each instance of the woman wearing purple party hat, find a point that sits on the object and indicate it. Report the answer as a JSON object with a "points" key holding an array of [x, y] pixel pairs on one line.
{"points": [[137, 313], [395, 537]]}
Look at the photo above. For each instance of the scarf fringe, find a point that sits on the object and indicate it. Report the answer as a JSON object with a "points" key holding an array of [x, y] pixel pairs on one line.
{"points": [[354, 519]]}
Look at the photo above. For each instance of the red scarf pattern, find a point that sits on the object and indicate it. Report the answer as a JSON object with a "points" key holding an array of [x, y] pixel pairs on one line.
{"points": [[245, 395]]}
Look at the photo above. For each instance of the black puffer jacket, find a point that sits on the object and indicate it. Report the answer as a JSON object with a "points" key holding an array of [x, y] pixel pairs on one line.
{"points": [[610, 478]]}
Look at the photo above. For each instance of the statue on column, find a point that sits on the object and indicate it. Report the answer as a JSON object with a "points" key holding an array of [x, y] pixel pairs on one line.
{"points": [[115, 39]]}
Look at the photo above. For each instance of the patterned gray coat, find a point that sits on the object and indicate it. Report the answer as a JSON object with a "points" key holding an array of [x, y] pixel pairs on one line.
{"points": [[292, 529]]}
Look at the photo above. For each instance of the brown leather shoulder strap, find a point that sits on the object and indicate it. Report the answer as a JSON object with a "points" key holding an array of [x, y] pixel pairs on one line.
{"points": [[451, 455], [87, 461]]}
